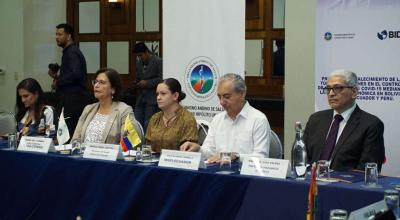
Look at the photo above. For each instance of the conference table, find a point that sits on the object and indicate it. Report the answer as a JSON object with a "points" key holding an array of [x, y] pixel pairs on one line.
{"points": [[54, 186]]}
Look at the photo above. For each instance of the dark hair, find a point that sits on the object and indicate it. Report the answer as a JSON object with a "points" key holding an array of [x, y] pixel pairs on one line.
{"points": [[280, 43], [115, 81], [174, 86], [67, 29], [32, 86], [140, 48]]}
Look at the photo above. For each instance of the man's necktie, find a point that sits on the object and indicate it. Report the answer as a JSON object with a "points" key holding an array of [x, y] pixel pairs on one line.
{"points": [[331, 139]]}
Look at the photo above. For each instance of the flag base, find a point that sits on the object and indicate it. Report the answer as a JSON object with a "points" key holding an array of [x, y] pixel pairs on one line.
{"points": [[129, 158]]}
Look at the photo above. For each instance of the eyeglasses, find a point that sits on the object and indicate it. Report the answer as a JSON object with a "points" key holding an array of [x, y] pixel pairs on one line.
{"points": [[101, 82], [335, 89]]}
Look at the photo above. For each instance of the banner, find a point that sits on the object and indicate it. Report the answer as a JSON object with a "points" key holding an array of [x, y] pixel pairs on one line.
{"points": [[203, 40], [363, 36]]}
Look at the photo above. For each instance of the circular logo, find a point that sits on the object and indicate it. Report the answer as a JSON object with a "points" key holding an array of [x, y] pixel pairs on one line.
{"points": [[201, 78], [383, 35], [328, 36]]}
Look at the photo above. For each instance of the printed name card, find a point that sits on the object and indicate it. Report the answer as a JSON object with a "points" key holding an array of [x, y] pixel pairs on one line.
{"points": [[35, 144], [63, 147], [101, 151], [180, 159], [267, 167], [368, 211]]}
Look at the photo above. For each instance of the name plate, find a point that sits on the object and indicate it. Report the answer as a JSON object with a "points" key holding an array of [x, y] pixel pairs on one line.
{"points": [[101, 151], [63, 147], [368, 211], [35, 144], [180, 159], [267, 167]]}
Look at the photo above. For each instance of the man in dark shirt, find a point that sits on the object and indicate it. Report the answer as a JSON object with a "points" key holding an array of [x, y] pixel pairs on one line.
{"points": [[279, 59], [148, 75], [70, 80]]}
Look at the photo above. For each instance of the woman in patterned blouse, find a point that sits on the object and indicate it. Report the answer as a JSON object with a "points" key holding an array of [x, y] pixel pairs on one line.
{"points": [[173, 125]]}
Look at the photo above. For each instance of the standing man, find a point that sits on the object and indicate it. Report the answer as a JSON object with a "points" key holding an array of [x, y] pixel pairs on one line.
{"points": [[148, 75], [240, 129], [345, 135], [70, 80]]}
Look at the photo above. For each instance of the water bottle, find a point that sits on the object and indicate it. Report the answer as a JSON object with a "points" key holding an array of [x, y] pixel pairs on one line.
{"points": [[299, 155], [12, 141]]}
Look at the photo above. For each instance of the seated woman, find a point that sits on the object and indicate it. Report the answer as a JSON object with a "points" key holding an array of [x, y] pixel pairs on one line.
{"points": [[104, 121], [173, 125], [33, 117]]}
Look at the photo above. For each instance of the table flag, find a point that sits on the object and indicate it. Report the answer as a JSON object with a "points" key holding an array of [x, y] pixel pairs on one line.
{"points": [[312, 194], [131, 139], [62, 130]]}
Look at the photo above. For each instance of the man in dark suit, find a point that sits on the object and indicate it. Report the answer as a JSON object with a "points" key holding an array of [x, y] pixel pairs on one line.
{"points": [[346, 135], [148, 75]]}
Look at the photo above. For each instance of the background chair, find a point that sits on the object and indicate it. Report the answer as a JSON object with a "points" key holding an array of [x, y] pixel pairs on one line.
{"points": [[139, 129], [275, 148], [202, 127], [7, 123]]}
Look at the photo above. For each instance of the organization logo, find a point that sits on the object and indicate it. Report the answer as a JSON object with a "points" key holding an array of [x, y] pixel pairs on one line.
{"points": [[339, 36], [388, 34], [382, 35], [328, 36], [201, 78]]}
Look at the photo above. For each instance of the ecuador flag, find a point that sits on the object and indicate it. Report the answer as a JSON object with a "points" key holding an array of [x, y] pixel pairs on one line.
{"points": [[312, 194], [131, 139]]}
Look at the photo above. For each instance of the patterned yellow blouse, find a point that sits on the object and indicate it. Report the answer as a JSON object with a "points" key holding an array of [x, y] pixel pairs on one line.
{"points": [[183, 128]]}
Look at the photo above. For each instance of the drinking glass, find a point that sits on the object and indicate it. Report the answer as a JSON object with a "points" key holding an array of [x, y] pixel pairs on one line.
{"points": [[146, 153], [139, 154], [12, 141], [225, 163], [76, 146], [371, 175], [323, 170], [392, 200], [338, 214]]}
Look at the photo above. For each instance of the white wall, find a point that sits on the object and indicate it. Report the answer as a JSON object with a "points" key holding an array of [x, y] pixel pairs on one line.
{"points": [[27, 43], [299, 65], [11, 51], [40, 20]]}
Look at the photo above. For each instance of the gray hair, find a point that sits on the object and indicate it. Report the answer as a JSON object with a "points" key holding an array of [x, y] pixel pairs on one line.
{"points": [[239, 85], [349, 77]]}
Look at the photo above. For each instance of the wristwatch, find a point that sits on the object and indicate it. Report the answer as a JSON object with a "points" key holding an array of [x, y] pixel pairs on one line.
{"points": [[237, 156]]}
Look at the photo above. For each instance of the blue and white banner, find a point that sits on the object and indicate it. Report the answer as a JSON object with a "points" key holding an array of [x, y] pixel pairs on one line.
{"points": [[363, 36], [203, 40]]}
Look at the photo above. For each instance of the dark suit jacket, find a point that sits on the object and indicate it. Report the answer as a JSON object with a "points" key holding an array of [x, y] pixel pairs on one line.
{"points": [[153, 75], [361, 140]]}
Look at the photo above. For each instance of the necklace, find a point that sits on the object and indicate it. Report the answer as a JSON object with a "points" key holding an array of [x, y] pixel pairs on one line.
{"points": [[167, 121]]}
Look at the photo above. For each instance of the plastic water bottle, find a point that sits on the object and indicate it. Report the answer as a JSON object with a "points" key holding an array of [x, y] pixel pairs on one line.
{"points": [[299, 155]]}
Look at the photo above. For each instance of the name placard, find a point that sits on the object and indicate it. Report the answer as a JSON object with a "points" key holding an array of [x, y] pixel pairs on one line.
{"points": [[180, 159], [267, 167], [63, 147], [35, 144], [368, 211], [101, 151]]}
